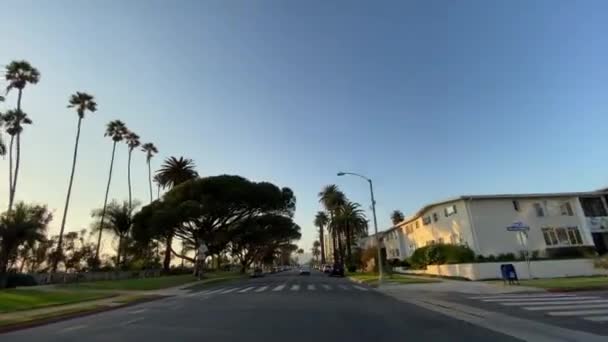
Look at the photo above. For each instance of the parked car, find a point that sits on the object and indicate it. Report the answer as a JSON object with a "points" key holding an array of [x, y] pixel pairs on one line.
{"points": [[257, 272], [326, 268], [304, 270], [337, 270]]}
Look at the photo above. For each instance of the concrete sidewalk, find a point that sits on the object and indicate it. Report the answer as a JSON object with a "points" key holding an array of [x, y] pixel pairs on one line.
{"points": [[458, 286]]}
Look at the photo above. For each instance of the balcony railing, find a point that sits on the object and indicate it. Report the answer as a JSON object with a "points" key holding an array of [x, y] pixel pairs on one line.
{"points": [[597, 224]]}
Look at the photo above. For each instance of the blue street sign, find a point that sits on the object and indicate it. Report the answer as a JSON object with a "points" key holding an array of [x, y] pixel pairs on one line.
{"points": [[518, 227]]}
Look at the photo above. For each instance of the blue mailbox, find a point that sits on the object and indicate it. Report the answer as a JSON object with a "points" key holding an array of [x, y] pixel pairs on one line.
{"points": [[509, 274]]}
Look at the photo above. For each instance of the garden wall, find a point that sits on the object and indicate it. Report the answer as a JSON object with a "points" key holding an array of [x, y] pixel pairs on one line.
{"points": [[491, 270]]}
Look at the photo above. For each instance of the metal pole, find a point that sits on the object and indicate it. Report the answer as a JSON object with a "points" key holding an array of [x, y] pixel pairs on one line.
{"points": [[525, 243], [380, 272]]}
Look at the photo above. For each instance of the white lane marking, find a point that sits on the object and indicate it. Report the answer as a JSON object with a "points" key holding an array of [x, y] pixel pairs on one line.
{"points": [[72, 328], [216, 291], [597, 318], [574, 302], [246, 289], [578, 312], [343, 287], [138, 311], [132, 321], [360, 288], [263, 288], [532, 300], [279, 288], [295, 287], [567, 307], [201, 293], [311, 287], [524, 296], [327, 287], [229, 290]]}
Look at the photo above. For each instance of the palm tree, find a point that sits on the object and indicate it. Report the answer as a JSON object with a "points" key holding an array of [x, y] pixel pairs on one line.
{"points": [[332, 198], [351, 219], [316, 251], [83, 103], [14, 120], [120, 220], [2, 144], [25, 224], [396, 217], [18, 74], [132, 140], [172, 173], [116, 130], [157, 181], [150, 150], [321, 221]]}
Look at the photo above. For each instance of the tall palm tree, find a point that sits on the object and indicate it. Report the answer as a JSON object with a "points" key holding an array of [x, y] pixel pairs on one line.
{"points": [[396, 217], [2, 144], [321, 220], [157, 181], [14, 120], [351, 218], [83, 103], [18, 74], [24, 224], [332, 198], [120, 221], [116, 130], [132, 140], [172, 173], [316, 251], [150, 150]]}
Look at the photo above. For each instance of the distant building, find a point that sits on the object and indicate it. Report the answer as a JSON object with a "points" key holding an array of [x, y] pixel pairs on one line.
{"points": [[479, 222]]}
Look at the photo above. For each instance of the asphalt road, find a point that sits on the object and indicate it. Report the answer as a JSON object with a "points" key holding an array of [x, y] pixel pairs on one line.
{"points": [[280, 307]]}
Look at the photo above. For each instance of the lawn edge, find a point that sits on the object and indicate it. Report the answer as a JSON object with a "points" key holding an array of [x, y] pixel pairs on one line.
{"points": [[110, 295], [75, 314]]}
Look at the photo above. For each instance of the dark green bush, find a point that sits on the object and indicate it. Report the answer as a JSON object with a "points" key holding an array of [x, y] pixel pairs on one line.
{"points": [[20, 279], [506, 257], [570, 252], [351, 268], [439, 254]]}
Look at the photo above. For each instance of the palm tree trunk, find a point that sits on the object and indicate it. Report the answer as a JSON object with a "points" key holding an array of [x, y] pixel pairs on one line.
{"points": [[67, 198], [150, 180], [158, 191], [13, 185], [11, 193], [105, 204], [341, 248], [118, 252], [322, 241], [129, 178], [349, 255], [167, 261]]}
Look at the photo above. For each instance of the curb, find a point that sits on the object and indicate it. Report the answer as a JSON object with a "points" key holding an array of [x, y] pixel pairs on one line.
{"points": [[70, 315], [578, 289]]}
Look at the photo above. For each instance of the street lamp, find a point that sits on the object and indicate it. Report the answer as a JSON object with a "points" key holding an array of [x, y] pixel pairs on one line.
{"points": [[371, 191]]}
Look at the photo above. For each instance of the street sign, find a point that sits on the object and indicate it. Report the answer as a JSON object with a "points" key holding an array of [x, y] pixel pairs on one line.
{"points": [[518, 227]]}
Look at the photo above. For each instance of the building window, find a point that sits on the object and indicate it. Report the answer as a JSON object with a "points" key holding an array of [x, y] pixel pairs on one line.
{"points": [[562, 236], [449, 211], [566, 209], [539, 209], [435, 217], [516, 205], [417, 224], [426, 220], [593, 207]]}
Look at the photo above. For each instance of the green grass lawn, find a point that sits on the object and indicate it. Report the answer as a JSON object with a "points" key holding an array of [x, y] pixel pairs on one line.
{"points": [[14, 300], [141, 284], [570, 283], [371, 278]]}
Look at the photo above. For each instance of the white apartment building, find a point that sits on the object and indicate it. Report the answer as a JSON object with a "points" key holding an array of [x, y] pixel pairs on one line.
{"points": [[555, 220]]}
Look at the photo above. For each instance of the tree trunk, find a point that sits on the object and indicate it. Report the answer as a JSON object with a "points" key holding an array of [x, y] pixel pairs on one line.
{"points": [[119, 252], [322, 241], [67, 199], [10, 174], [167, 261], [13, 185], [341, 248], [349, 255], [105, 204], [129, 177], [150, 180]]}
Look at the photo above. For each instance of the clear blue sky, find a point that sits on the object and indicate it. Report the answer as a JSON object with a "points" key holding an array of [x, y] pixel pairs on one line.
{"points": [[429, 98]]}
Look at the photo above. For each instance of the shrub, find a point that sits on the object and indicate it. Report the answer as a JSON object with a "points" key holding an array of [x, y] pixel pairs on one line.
{"points": [[491, 258], [20, 279], [439, 254], [351, 268], [506, 257], [570, 252], [405, 263]]}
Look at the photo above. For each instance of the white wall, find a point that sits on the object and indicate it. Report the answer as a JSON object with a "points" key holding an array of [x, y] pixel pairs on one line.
{"points": [[490, 218], [540, 269], [445, 228]]}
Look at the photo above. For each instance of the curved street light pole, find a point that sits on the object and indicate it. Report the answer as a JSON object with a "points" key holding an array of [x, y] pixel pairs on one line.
{"points": [[371, 191]]}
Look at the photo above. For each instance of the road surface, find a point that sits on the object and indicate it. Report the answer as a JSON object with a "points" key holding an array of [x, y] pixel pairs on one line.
{"points": [[280, 307]]}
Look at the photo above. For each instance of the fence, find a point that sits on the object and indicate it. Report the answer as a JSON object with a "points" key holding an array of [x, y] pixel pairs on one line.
{"points": [[61, 277]]}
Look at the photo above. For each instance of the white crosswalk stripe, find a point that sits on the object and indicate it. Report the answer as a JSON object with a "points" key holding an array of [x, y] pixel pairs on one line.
{"points": [[229, 290], [295, 287], [246, 289], [261, 289], [590, 308], [279, 288], [360, 288], [326, 287], [311, 287], [343, 287]]}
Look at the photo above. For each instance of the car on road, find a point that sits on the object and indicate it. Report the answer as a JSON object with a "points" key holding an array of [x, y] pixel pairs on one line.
{"points": [[257, 272], [337, 270], [326, 268], [305, 270]]}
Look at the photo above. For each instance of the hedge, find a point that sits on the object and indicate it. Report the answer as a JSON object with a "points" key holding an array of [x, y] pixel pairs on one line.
{"points": [[439, 254]]}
